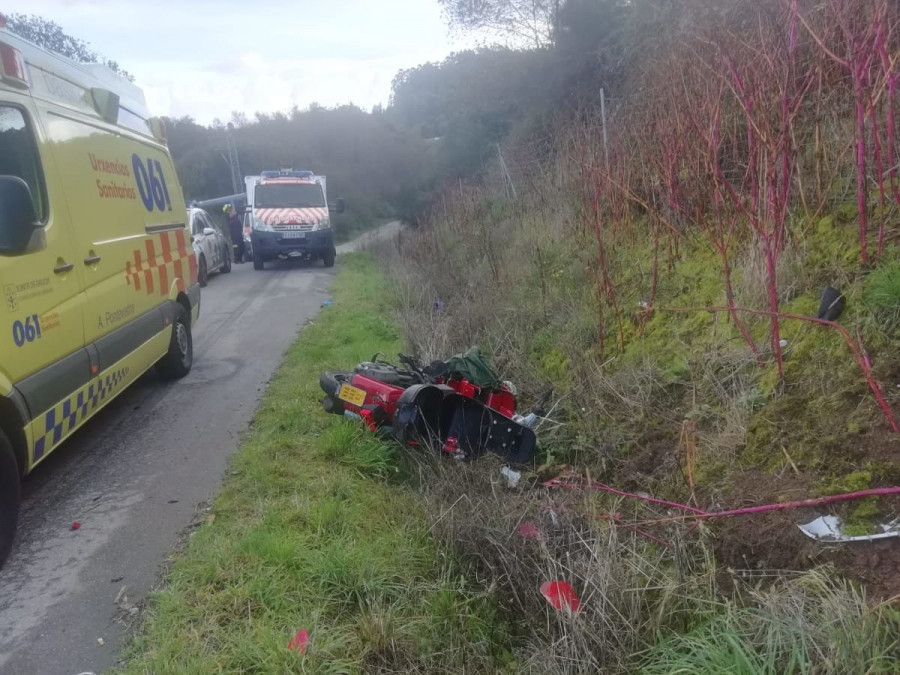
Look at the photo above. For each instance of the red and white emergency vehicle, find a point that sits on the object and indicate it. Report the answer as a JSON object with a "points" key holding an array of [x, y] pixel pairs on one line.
{"points": [[289, 217]]}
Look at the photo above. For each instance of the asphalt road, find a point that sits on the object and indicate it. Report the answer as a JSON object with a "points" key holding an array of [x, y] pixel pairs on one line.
{"points": [[139, 474]]}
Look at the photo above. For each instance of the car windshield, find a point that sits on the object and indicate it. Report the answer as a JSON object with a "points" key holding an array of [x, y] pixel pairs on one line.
{"points": [[289, 195]]}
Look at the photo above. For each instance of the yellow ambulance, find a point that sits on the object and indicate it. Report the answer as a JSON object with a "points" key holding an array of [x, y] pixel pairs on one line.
{"points": [[98, 279]]}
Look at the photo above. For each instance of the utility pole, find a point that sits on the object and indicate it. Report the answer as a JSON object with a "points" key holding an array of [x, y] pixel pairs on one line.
{"points": [[236, 180], [508, 185], [605, 138]]}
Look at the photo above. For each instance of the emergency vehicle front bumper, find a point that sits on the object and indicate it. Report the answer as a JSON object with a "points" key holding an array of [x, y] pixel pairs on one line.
{"points": [[275, 245]]}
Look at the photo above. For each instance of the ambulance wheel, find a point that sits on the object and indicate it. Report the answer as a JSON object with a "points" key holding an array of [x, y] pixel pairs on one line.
{"points": [[9, 496], [328, 258], [258, 262], [178, 360], [202, 273], [226, 266]]}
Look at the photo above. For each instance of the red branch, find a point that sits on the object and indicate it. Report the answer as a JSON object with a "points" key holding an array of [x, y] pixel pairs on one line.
{"points": [[856, 348], [575, 482]]}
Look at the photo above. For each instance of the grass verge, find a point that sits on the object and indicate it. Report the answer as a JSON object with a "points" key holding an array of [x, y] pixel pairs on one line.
{"points": [[315, 529]]}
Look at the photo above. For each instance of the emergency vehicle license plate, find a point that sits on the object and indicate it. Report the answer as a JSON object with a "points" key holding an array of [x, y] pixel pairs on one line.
{"points": [[293, 235], [352, 395]]}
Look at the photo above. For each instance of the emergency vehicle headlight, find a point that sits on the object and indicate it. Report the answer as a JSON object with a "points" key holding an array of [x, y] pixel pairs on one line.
{"points": [[261, 226], [323, 224], [13, 66]]}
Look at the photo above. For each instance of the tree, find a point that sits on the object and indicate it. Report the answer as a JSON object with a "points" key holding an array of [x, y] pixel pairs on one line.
{"points": [[50, 35], [528, 21]]}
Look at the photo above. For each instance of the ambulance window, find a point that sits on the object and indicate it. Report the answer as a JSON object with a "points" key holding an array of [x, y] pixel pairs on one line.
{"points": [[19, 157]]}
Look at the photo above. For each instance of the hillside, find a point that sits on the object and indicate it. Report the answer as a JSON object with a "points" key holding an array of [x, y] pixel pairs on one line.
{"points": [[671, 272]]}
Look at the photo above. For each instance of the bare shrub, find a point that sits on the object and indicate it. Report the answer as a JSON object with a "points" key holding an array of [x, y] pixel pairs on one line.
{"points": [[751, 289], [629, 587]]}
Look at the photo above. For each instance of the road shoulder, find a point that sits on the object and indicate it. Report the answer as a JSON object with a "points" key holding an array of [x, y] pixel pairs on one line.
{"points": [[316, 531]]}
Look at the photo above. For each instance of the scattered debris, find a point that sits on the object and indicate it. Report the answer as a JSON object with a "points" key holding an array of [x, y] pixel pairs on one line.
{"points": [[831, 305], [300, 641], [101, 641], [828, 528], [783, 343], [211, 518], [76, 525], [529, 530], [512, 477], [561, 596], [172, 501], [327, 303], [120, 594], [116, 580]]}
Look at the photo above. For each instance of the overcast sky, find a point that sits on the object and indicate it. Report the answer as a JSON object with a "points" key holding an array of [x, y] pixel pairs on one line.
{"points": [[207, 58]]}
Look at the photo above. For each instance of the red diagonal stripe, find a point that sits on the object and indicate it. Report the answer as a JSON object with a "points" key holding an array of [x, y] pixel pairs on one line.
{"points": [[137, 260], [166, 247], [148, 277], [163, 280], [179, 275], [151, 253], [179, 238]]}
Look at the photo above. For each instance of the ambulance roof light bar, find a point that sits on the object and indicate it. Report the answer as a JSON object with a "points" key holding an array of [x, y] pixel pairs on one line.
{"points": [[12, 66], [286, 173]]}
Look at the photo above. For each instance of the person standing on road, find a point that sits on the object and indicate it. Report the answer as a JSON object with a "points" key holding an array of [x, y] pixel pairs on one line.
{"points": [[236, 230]]}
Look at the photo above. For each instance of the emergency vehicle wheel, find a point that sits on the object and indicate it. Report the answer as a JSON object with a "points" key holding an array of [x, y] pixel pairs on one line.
{"points": [[258, 262], [9, 496], [178, 360], [328, 258], [202, 273]]}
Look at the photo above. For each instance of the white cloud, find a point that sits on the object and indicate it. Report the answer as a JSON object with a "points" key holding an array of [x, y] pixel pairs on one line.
{"points": [[207, 58]]}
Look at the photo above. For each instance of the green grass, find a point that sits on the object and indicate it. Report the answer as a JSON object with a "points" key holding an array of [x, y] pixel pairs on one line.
{"points": [[315, 529], [813, 624], [882, 295]]}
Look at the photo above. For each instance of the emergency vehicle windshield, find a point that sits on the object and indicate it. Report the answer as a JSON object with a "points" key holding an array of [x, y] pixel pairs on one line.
{"points": [[289, 195]]}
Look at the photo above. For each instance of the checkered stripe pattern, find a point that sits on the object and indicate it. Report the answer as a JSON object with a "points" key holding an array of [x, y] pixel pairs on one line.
{"points": [[152, 268], [63, 418]]}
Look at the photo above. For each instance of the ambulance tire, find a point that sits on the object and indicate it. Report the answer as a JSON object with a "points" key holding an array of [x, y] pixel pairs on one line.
{"points": [[328, 258], [9, 496], [258, 262], [202, 272], [178, 360]]}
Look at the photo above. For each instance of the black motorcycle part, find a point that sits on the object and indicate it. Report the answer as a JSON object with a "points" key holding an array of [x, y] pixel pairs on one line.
{"points": [[418, 414], [831, 305], [477, 428]]}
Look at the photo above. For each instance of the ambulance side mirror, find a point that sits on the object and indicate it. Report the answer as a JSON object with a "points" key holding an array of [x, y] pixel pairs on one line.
{"points": [[18, 218], [339, 205]]}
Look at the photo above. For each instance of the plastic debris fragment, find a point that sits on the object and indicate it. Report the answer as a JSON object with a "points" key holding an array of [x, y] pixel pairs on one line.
{"points": [[561, 596], [300, 641], [512, 477], [828, 528], [529, 530]]}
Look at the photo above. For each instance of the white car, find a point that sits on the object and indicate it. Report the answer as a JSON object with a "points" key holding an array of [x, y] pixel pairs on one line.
{"points": [[210, 246]]}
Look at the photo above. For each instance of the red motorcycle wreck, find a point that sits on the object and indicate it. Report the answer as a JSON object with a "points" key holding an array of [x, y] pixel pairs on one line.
{"points": [[459, 406]]}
